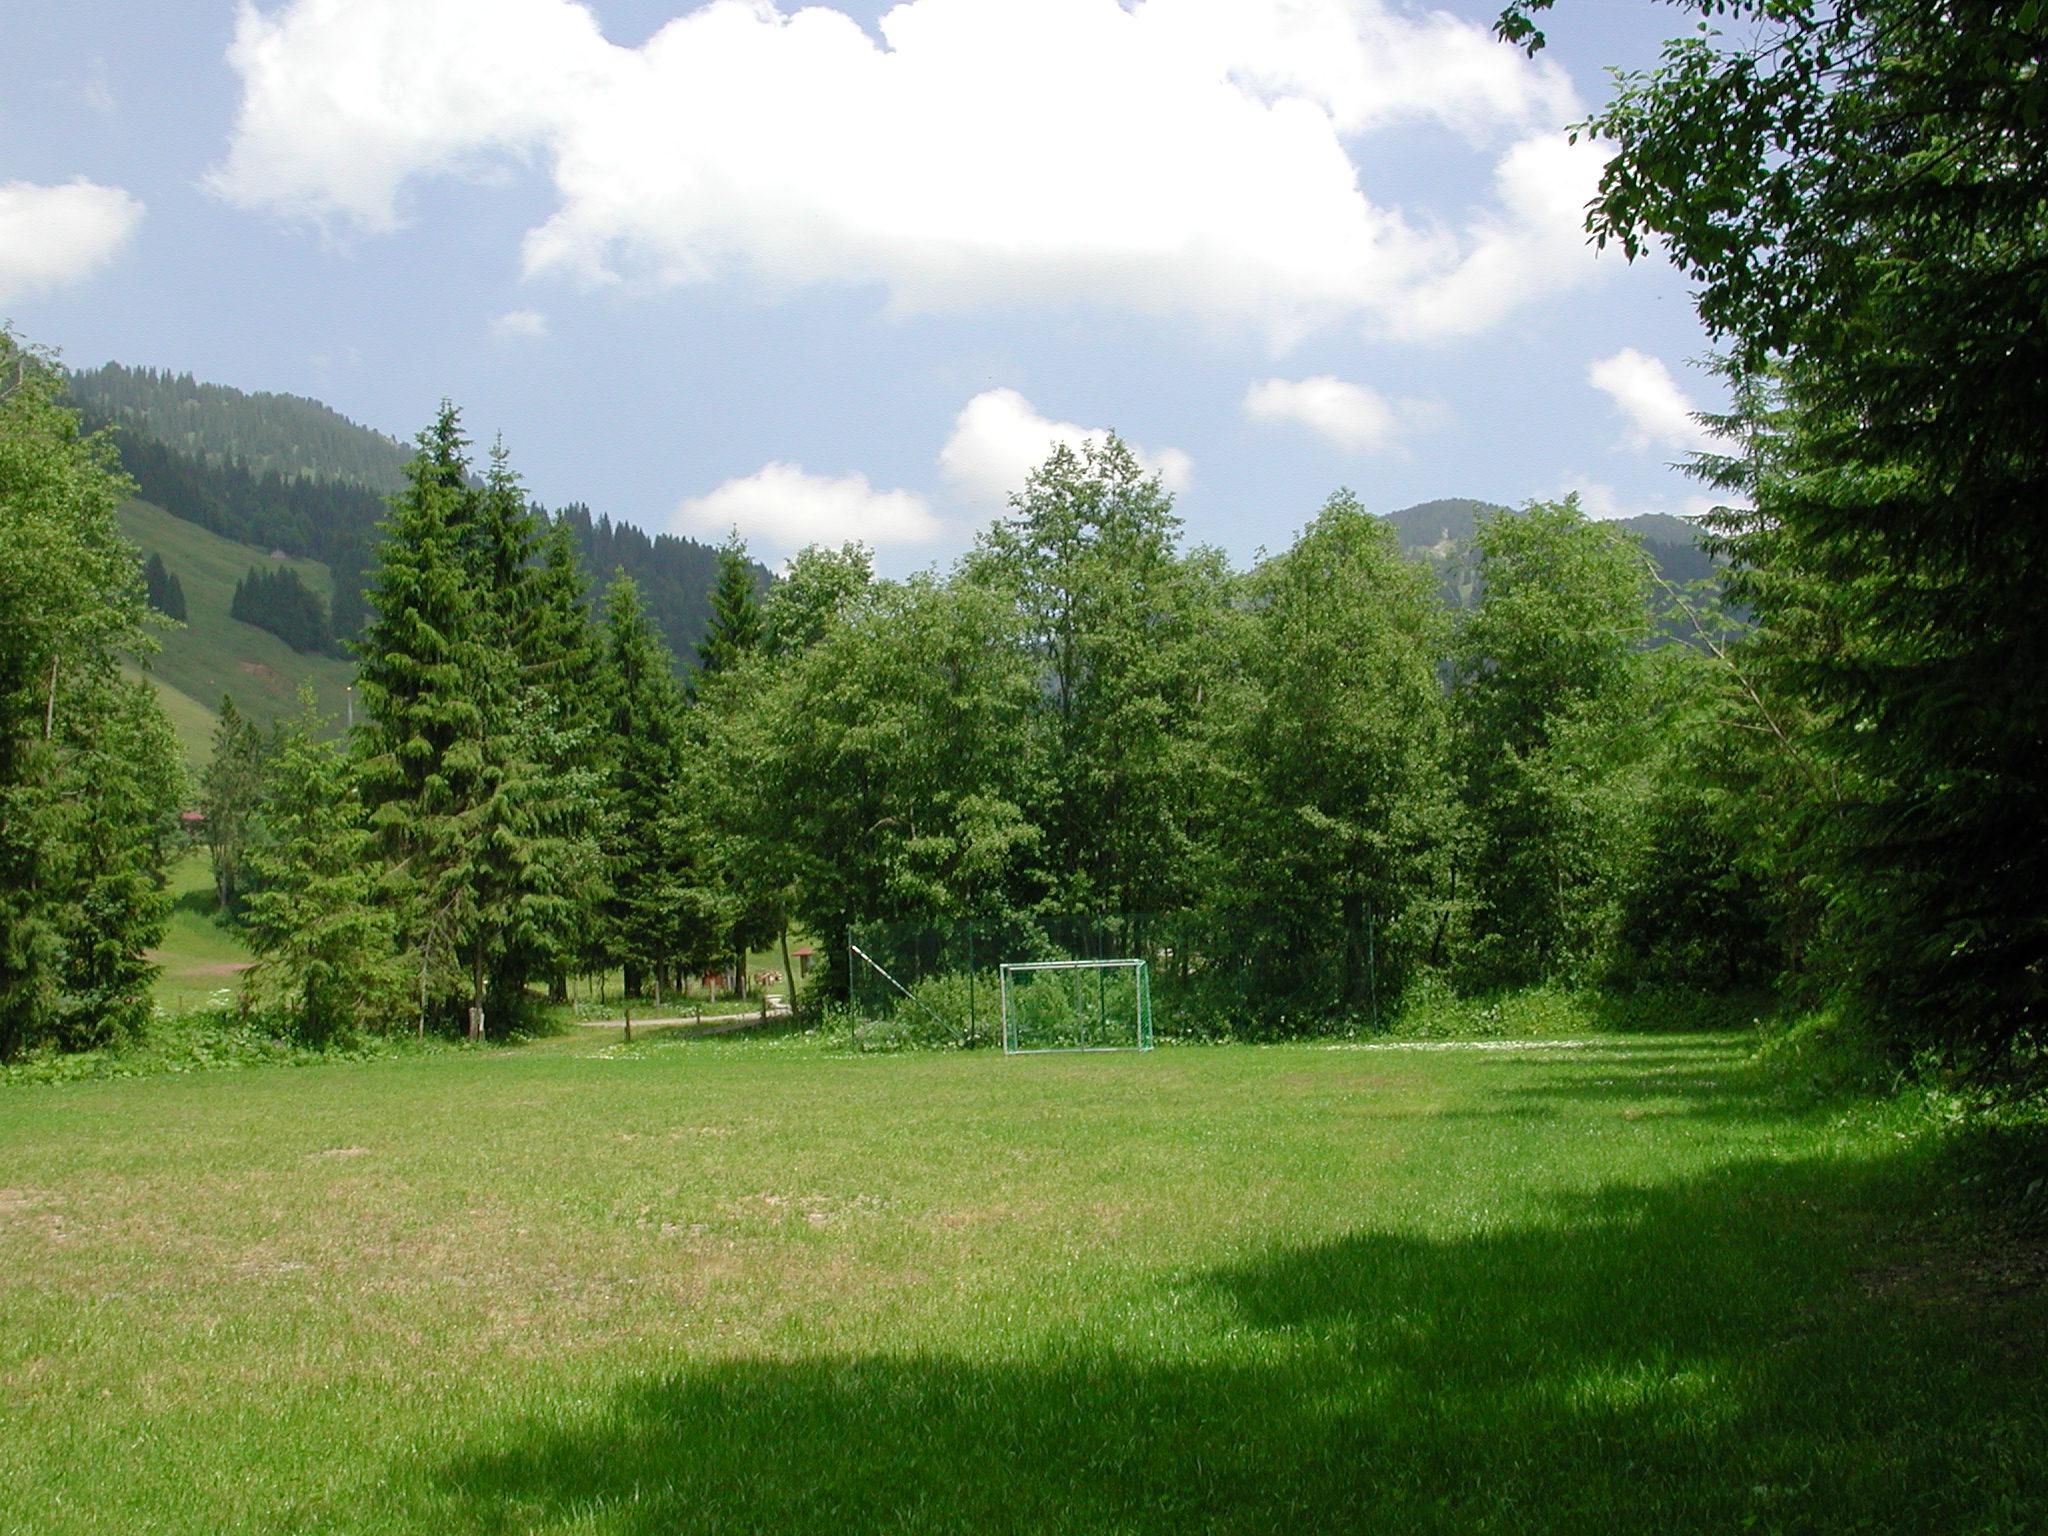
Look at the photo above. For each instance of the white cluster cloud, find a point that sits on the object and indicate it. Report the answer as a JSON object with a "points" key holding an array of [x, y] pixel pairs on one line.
{"points": [[999, 437], [1660, 414], [1349, 416], [519, 325], [1173, 157], [53, 236], [786, 507]]}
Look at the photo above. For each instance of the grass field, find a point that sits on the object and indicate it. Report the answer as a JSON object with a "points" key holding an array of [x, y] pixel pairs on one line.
{"points": [[199, 957], [747, 1285]]}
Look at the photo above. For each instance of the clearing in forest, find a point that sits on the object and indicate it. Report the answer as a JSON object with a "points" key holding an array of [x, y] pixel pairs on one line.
{"points": [[748, 1284]]}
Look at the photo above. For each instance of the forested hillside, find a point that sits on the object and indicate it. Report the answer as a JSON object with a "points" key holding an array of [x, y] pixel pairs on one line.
{"points": [[287, 474], [288, 434]]}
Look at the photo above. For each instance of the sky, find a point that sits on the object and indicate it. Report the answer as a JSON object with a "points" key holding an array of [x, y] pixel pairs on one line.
{"points": [[846, 272]]}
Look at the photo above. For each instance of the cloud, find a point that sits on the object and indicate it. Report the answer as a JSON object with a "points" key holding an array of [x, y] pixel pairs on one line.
{"points": [[1660, 415], [1531, 245], [520, 325], [785, 508], [1351, 416], [54, 236], [999, 437], [1170, 157]]}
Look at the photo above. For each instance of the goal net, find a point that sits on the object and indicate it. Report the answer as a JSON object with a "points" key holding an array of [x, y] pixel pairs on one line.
{"points": [[1076, 1005]]}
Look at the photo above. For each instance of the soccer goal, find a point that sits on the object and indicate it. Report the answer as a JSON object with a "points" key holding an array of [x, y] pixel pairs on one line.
{"points": [[1076, 1005]]}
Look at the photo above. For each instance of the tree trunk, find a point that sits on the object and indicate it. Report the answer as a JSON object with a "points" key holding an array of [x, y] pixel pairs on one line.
{"points": [[476, 991], [1352, 986]]}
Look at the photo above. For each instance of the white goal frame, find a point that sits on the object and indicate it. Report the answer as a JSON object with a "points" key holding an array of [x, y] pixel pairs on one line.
{"points": [[1139, 1036]]}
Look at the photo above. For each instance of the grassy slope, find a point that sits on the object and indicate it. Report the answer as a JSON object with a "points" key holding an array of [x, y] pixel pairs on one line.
{"points": [[745, 1285], [215, 654]]}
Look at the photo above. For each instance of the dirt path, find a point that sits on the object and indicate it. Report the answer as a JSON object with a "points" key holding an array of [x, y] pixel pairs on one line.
{"points": [[717, 1024]]}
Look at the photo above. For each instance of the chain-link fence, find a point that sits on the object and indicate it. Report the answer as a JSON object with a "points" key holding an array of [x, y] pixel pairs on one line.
{"points": [[1214, 973]]}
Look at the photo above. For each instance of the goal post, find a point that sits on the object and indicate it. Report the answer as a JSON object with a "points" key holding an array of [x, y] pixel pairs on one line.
{"points": [[1076, 1005]]}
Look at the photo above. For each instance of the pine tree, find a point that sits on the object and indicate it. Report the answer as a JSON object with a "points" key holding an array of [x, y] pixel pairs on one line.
{"points": [[163, 591], [735, 631], [663, 911], [562, 663], [230, 794], [330, 966], [431, 683]]}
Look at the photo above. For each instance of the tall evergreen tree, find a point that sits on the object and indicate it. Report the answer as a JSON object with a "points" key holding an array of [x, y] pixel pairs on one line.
{"points": [[329, 966], [230, 795], [1856, 191], [664, 909], [735, 631], [436, 773], [164, 592], [88, 770]]}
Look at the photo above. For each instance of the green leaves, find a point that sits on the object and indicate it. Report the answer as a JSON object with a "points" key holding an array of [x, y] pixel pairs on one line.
{"points": [[89, 772]]}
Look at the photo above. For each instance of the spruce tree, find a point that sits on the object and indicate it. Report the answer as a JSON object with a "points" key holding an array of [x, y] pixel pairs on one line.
{"points": [[735, 631], [163, 590], [330, 966], [230, 794], [662, 912], [563, 664], [432, 685]]}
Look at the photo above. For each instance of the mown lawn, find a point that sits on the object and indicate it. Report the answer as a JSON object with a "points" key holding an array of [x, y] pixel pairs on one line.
{"points": [[748, 1285]]}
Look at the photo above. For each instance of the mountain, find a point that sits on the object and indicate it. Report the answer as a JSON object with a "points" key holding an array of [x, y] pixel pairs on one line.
{"points": [[1443, 530], [1431, 525]]}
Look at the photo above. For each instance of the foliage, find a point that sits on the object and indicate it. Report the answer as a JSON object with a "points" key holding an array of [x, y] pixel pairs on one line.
{"points": [[278, 601], [161, 589], [437, 776], [1338, 846], [330, 968], [89, 773], [230, 792], [288, 435], [899, 750], [1856, 192], [1122, 629], [1550, 707], [735, 630], [664, 913]]}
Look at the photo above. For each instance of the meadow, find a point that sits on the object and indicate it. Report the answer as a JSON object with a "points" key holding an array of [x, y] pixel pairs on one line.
{"points": [[1631, 1282]]}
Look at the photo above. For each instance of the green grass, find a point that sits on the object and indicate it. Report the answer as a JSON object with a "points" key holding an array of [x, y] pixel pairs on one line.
{"points": [[749, 1284], [201, 960], [215, 654]]}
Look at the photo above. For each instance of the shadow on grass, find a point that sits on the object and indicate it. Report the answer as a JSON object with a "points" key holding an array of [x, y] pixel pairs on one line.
{"points": [[1731, 1353]]}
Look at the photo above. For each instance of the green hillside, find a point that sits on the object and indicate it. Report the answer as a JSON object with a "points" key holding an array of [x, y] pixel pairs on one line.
{"points": [[214, 654]]}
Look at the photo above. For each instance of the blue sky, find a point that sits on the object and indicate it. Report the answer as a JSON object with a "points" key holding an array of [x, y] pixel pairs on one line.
{"points": [[843, 273]]}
